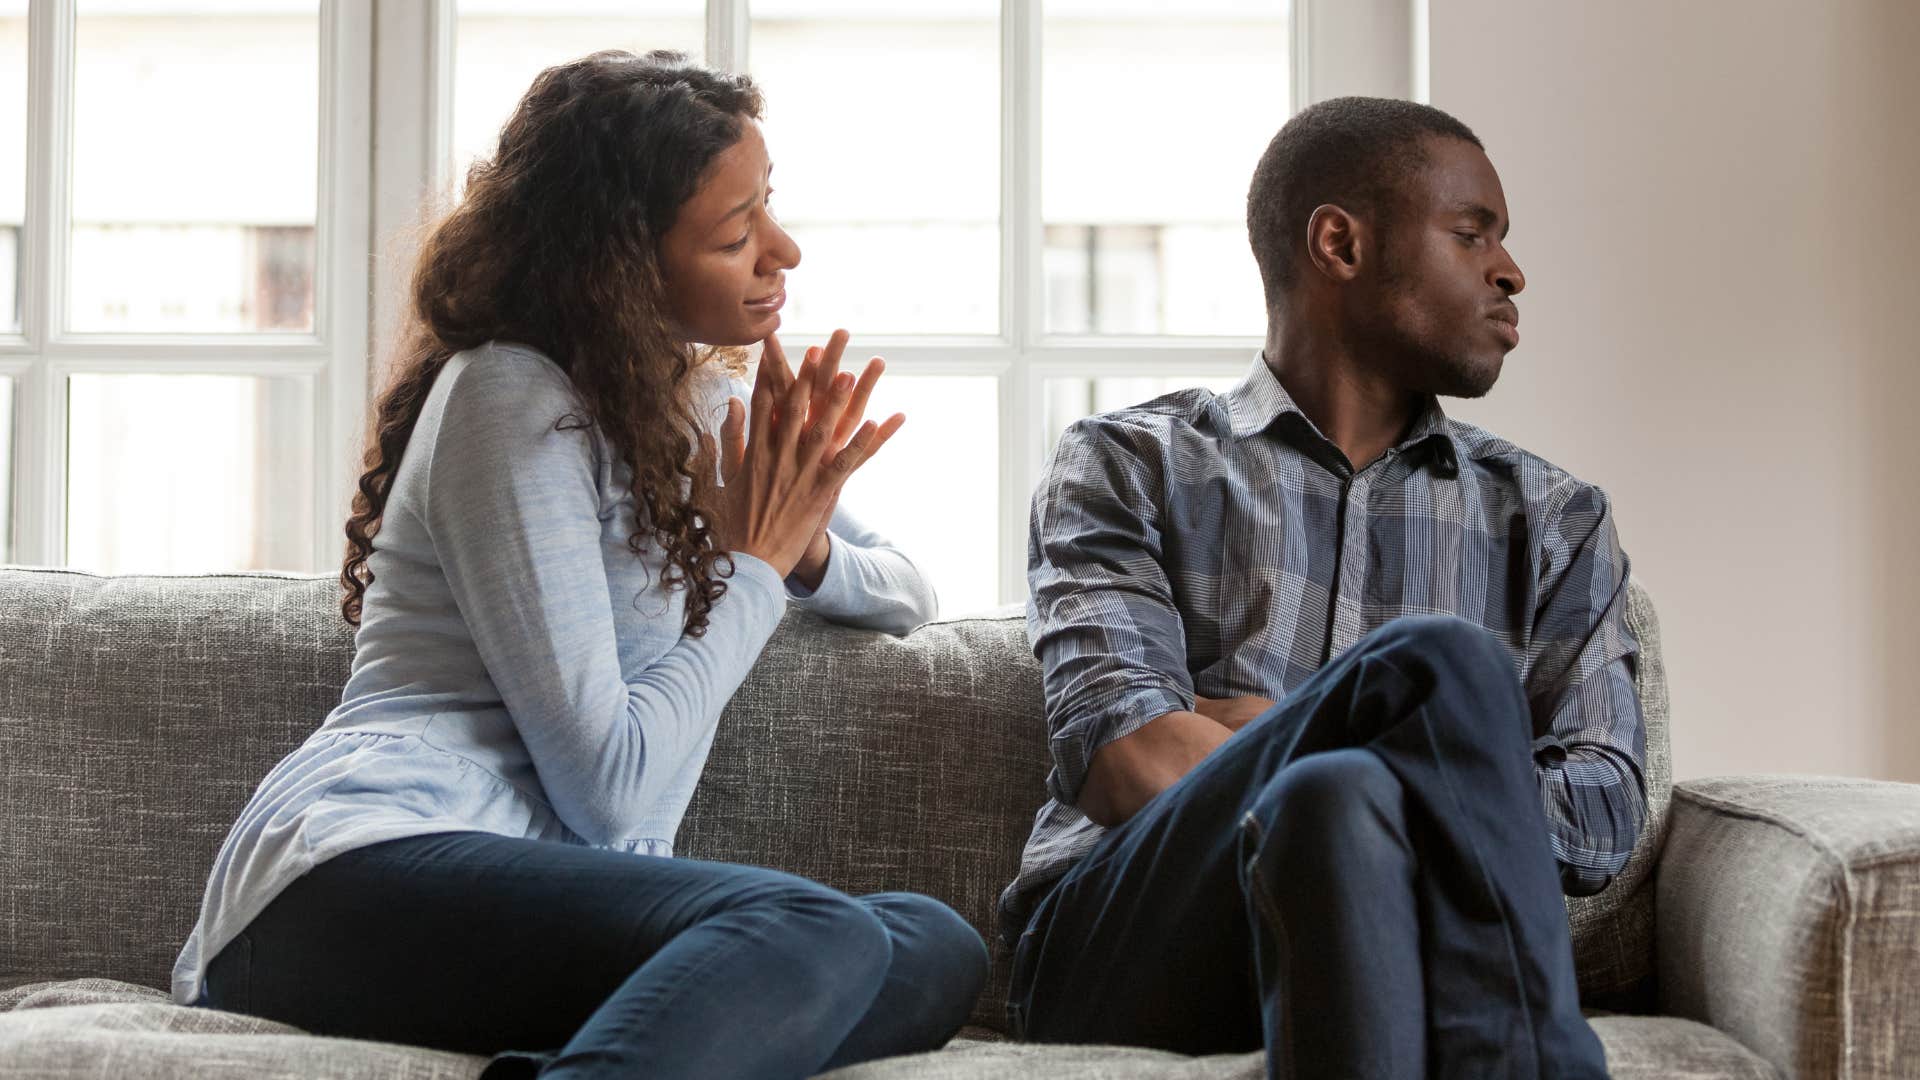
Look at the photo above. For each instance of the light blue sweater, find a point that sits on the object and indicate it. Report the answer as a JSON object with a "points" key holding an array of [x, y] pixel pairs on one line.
{"points": [[518, 670]]}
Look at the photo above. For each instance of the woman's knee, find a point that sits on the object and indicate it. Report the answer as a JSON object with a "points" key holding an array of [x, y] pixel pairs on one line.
{"points": [[932, 945], [817, 927]]}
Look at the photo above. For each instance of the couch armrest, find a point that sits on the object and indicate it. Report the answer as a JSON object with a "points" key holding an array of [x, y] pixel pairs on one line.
{"points": [[1787, 914]]}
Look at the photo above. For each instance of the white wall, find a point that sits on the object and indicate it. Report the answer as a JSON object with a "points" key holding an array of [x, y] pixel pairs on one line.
{"points": [[1715, 205]]}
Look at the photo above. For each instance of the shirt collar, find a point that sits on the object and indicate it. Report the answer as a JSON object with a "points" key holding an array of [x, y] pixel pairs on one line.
{"points": [[1258, 400]]}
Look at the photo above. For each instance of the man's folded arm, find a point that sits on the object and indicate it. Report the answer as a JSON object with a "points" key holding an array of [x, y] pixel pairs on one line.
{"points": [[1590, 745], [1101, 615]]}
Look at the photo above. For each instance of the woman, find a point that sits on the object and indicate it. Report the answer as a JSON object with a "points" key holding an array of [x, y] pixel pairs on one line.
{"points": [[556, 595]]}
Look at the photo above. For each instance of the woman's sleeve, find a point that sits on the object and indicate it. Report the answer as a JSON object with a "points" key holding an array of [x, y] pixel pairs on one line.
{"points": [[515, 516], [868, 582]]}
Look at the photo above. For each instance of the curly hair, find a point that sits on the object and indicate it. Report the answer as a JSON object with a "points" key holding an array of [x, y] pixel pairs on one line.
{"points": [[556, 245]]}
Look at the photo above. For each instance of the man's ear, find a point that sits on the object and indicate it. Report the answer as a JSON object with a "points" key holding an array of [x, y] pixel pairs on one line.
{"points": [[1335, 242]]}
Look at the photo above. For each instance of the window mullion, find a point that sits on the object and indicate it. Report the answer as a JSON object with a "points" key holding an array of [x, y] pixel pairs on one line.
{"points": [[39, 433], [1300, 46], [50, 62], [412, 147], [1020, 306], [1020, 280], [727, 35], [339, 395]]}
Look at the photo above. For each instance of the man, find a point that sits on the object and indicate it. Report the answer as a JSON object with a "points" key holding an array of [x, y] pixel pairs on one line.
{"points": [[1366, 876]]}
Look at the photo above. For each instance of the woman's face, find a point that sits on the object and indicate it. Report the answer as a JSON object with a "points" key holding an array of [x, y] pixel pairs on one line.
{"points": [[725, 258]]}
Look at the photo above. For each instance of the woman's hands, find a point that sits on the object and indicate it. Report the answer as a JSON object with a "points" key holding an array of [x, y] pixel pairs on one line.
{"points": [[807, 438]]}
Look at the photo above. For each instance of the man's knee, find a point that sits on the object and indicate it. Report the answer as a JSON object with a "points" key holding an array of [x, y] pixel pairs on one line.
{"points": [[1449, 652], [1344, 804], [1448, 641]]}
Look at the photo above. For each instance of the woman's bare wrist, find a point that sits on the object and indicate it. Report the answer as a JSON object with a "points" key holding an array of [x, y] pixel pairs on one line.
{"points": [[811, 570]]}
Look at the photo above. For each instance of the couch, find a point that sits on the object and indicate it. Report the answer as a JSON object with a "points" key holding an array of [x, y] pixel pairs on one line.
{"points": [[1765, 927]]}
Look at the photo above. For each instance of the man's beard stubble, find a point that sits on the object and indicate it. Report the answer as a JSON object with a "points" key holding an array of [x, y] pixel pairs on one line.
{"points": [[1415, 361]]}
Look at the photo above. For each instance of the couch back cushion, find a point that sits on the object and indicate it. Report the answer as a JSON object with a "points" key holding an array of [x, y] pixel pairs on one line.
{"points": [[138, 713]]}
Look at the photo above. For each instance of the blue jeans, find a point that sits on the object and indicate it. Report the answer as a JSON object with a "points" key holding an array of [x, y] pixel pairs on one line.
{"points": [[1359, 880], [585, 962]]}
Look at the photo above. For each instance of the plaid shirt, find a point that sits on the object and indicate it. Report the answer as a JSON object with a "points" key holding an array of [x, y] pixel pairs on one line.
{"points": [[1221, 546]]}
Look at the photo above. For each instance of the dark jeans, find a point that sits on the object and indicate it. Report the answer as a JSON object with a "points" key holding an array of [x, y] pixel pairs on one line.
{"points": [[1359, 880], [601, 963]]}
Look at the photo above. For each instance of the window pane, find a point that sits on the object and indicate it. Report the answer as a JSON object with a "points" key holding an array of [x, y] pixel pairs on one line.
{"points": [[933, 489], [187, 473], [500, 45], [13, 156], [1153, 122], [195, 163], [1070, 399], [883, 120]]}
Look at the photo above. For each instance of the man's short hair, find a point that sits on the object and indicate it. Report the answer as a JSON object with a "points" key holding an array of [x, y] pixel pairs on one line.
{"points": [[1353, 152]]}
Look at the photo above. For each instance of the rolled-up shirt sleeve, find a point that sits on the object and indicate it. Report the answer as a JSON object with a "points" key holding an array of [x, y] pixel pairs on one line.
{"points": [[1100, 612], [1590, 739]]}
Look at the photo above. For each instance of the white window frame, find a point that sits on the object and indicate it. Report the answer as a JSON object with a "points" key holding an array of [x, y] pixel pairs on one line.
{"points": [[1337, 47], [331, 360]]}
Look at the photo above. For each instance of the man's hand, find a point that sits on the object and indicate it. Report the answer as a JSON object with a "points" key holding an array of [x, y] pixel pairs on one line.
{"points": [[1128, 772], [1232, 713]]}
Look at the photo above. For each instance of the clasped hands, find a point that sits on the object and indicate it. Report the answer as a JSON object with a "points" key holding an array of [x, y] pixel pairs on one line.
{"points": [[782, 474]]}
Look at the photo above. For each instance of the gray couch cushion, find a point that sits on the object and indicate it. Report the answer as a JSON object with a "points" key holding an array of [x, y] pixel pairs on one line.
{"points": [[138, 713], [1666, 1048], [95, 1028], [1637, 1048], [111, 1031]]}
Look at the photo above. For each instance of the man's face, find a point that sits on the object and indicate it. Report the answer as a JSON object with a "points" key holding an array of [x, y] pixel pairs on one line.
{"points": [[1440, 313]]}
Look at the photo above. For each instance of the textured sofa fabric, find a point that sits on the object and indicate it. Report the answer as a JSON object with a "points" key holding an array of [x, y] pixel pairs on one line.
{"points": [[138, 713], [1790, 918], [109, 1030], [99, 1028], [919, 764]]}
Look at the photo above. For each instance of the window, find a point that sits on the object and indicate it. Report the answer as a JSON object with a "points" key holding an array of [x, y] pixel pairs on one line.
{"points": [[986, 192], [883, 120], [189, 472], [183, 221], [1032, 208], [195, 140], [1152, 120], [1068, 400], [500, 45]]}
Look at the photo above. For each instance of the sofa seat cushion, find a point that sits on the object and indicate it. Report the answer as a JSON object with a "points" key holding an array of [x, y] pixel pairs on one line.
{"points": [[97, 1027], [1638, 1048], [118, 1031], [1667, 1047]]}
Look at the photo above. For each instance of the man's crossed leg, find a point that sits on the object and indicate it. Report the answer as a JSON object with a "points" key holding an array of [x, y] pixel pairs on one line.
{"points": [[1360, 879]]}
